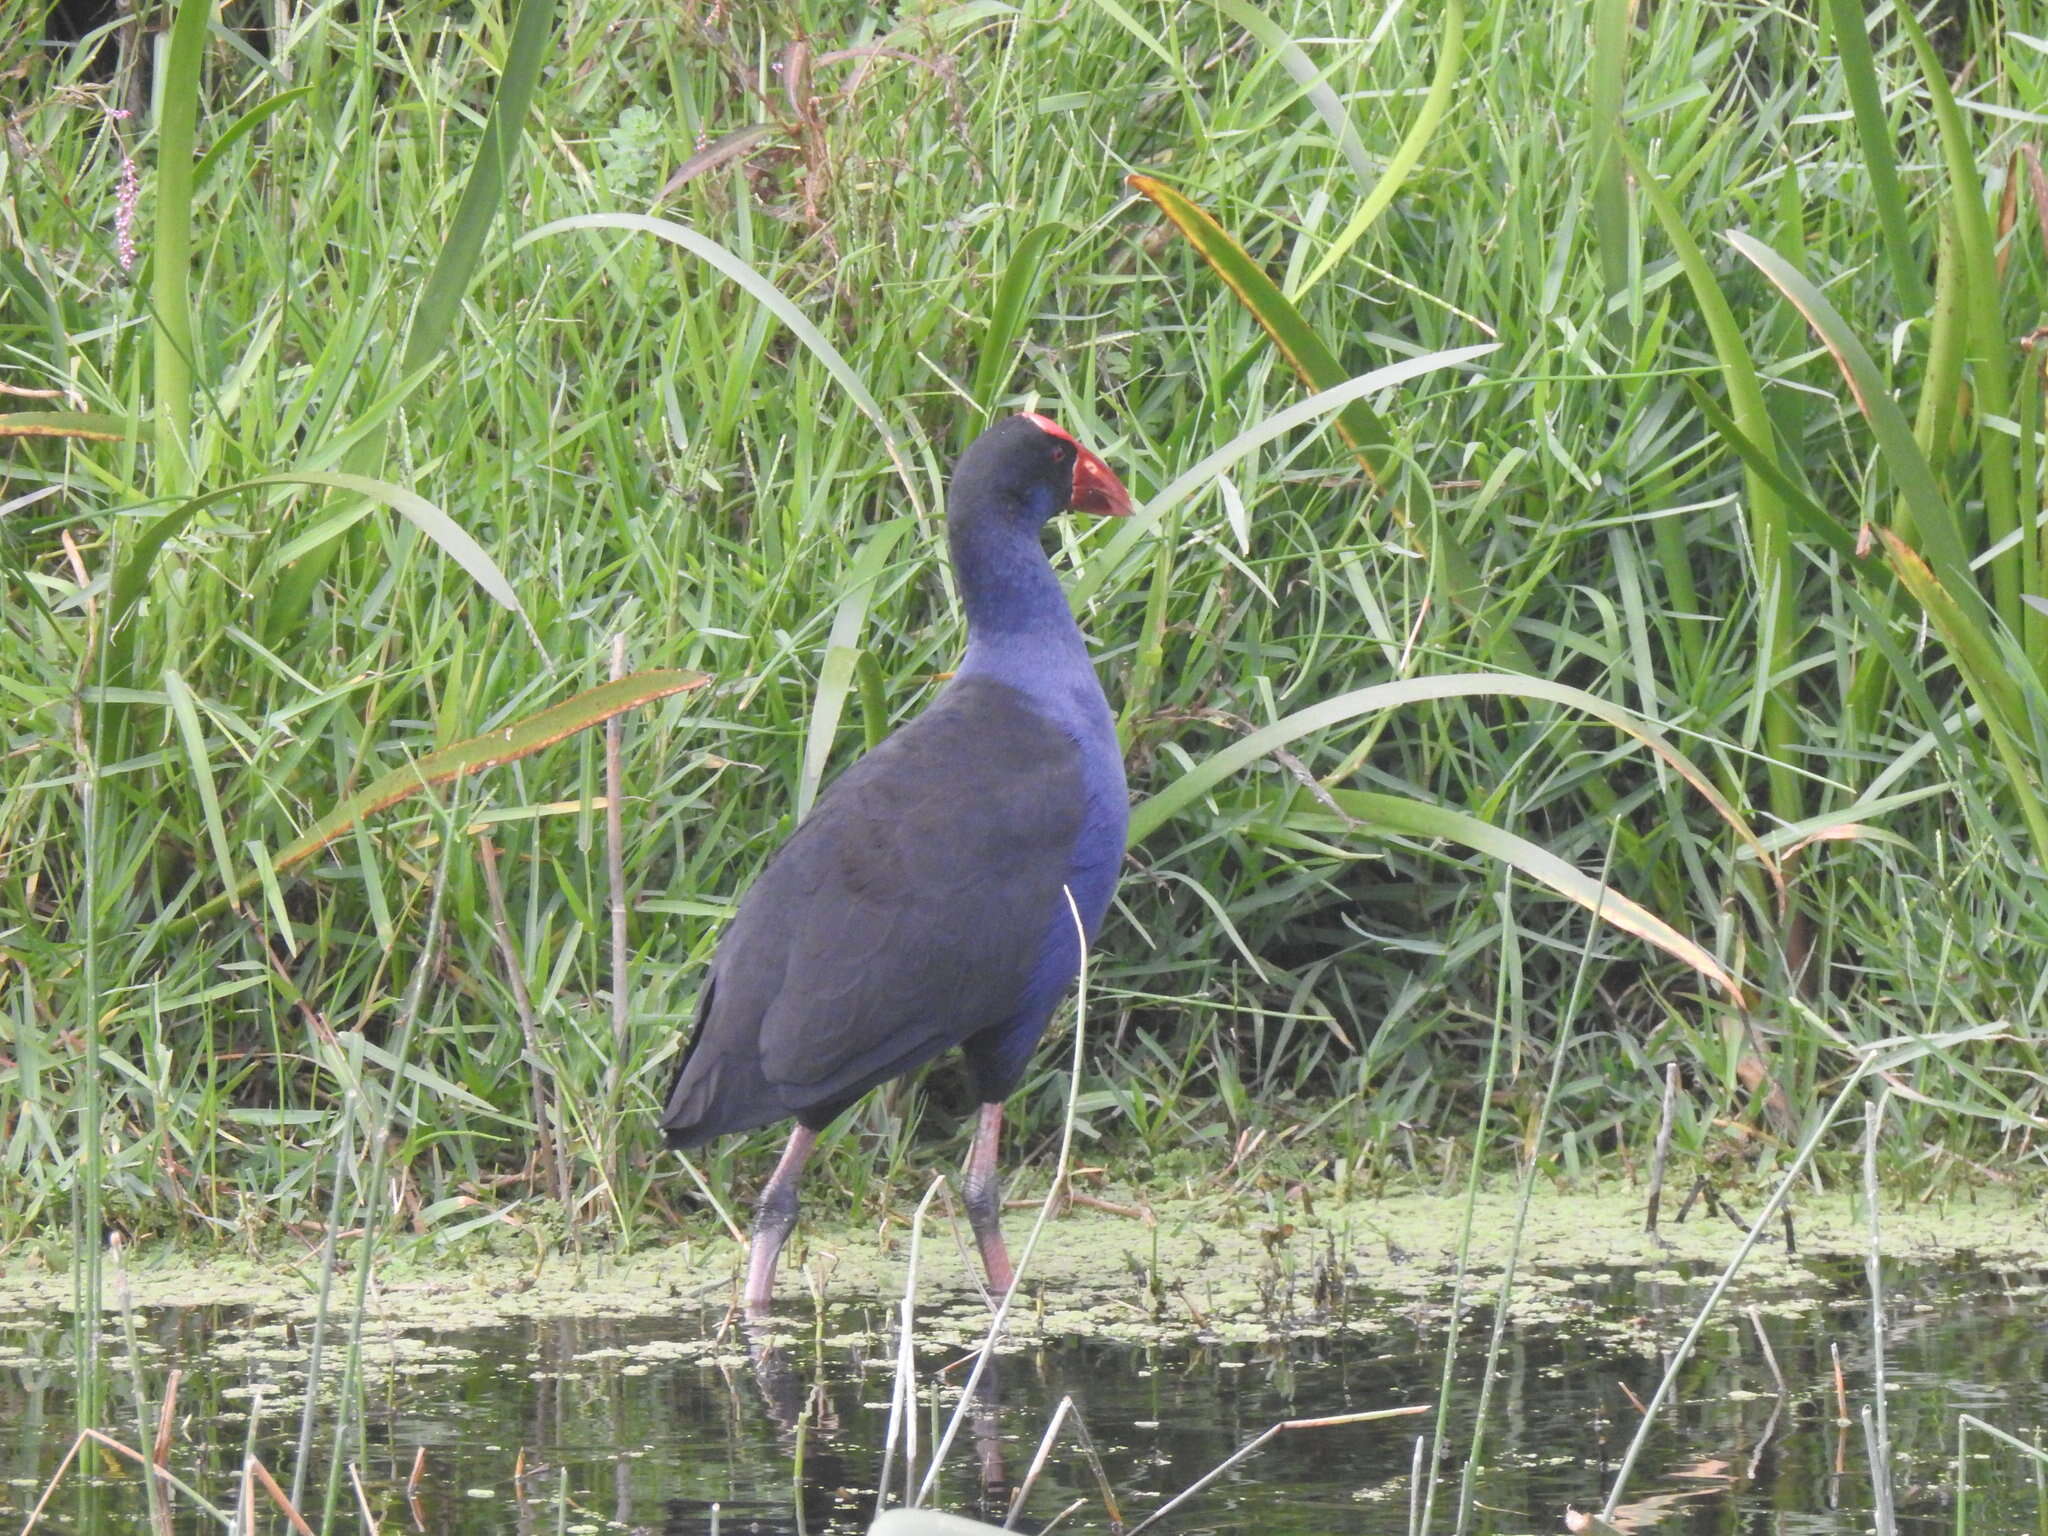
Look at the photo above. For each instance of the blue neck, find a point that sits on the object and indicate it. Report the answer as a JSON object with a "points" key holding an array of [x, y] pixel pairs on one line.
{"points": [[1019, 628]]}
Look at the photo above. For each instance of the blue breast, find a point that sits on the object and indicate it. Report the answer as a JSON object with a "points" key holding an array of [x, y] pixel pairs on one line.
{"points": [[1066, 690]]}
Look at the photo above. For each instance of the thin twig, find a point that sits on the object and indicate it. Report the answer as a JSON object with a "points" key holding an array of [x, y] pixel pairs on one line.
{"points": [[615, 870], [1876, 1422], [1260, 1439], [1756, 1457], [56, 1477], [1066, 1410], [108, 1442], [903, 1396], [547, 1126], [1663, 1148], [362, 1499], [1756, 1321], [1699, 1323], [1525, 1198], [718, 1205], [412, 1003], [277, 1496], [329, 1244], [1038, 1461]]}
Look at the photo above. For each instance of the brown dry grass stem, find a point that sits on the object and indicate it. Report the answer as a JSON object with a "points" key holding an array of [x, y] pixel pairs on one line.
{"points": [[153, 1468]]}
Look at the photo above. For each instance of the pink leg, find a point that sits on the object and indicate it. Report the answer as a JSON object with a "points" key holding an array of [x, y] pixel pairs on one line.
{"points": [[984, 1199], [774, 1217]]}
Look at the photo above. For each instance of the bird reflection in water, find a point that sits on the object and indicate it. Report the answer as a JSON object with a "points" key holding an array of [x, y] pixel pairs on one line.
{"points": [[835, 1491]]}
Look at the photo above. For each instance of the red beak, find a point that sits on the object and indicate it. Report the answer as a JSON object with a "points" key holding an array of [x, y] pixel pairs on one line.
{"points": [[1096, 487]]}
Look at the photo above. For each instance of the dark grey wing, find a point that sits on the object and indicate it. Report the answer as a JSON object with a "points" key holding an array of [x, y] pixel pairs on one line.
{"points": [[902, 917]]}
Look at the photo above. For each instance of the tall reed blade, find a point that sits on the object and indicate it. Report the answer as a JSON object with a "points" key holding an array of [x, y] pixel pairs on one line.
{"points": [[1369, 438], [171, 249], [440, 301]]}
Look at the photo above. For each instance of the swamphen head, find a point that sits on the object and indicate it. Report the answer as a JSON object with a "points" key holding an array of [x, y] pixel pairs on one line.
{"points": [[1029, 467]]}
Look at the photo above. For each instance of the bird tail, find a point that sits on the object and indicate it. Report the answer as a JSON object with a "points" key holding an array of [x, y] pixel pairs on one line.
{"points": [[714, 1097], [689, 1119]]}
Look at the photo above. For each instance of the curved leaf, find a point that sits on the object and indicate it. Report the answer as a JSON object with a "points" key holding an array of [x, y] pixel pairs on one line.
{"points": [[1302, 70], [454, 540], [1358, 424], [1006, 311], [508, 743], [1933, 518], [1407, 154], [1148, 815], [243, 126], [842, 654], [1361, 428], [765, 293], [1415, 819], [91, 425], [1996, 675], [1316, 408]]}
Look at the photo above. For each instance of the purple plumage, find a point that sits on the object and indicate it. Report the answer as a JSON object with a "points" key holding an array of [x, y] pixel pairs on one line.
{"points": [[923, 904]]}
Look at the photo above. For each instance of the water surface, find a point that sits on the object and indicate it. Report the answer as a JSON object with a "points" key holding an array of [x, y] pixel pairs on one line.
{"points": [[644, 1424]]}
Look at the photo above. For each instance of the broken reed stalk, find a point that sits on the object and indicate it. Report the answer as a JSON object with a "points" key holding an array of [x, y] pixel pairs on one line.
{"points": [[1679, 1356], [547, 1125], [277, 1497], [1756, 1323], [245, 1501], [166, 1417], [355, 1478], [328, 1242], [1047, 1528], [1965, 1422], [903, 1391], [1662, 1150], [1497, 1338], [1873, 1265], [152, 1469], [1052, 1195], [1259, 1440], [159, 1514], [1882, 1519], [1876, 1421], [1065, 1410]]}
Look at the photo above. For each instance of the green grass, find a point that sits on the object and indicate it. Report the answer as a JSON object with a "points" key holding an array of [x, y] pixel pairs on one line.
{"points": [[725, 439]]}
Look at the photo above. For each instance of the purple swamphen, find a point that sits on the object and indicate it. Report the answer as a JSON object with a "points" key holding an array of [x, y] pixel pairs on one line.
{"points": [[923, 903]]}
